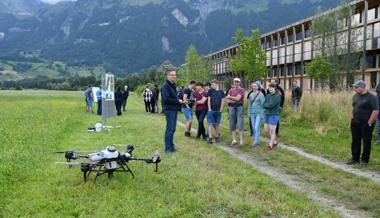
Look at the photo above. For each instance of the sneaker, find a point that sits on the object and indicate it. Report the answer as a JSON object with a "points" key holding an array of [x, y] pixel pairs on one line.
{"points": [[255, 145], [234, 142], [187, 134], [352, 162], [269, 148], [275, 144], [209, 140]]}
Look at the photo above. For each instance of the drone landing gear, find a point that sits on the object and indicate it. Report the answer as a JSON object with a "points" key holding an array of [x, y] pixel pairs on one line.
{"points": [[101, 171]]}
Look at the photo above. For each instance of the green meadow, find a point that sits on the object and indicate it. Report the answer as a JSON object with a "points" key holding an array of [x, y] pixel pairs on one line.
{"points": [[198, 181]]}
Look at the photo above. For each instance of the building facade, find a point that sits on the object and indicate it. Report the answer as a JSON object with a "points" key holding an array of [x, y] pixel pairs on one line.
{"points": [[290, 48]]}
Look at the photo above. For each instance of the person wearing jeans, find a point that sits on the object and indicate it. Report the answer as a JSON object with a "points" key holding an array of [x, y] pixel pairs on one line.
{"points": [[255, 110], [200, 109], [171, 105]]}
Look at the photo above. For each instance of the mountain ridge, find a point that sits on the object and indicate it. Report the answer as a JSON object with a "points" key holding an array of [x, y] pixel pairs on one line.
{"points": [[128, 36]]}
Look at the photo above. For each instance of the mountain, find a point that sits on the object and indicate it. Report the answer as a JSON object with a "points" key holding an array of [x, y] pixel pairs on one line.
{"points": [[20, 7], [127, 36]]}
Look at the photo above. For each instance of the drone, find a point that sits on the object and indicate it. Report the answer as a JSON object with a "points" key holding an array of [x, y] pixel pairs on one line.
{"points": [[106, 161]]}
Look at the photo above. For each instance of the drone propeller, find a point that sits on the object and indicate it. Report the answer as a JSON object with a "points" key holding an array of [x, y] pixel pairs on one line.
{"points": [[121, 145], [69, 163], [77, 152]]}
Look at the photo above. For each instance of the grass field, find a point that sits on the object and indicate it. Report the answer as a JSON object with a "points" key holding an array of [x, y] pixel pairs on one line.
{"points": [[198, 181], [355, 192]]}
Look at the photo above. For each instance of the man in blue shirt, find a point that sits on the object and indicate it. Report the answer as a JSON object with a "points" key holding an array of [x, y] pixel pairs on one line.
{"points": [[99, 97], [171, 105]]}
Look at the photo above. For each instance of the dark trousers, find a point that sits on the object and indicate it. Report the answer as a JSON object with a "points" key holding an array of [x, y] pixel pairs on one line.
{"points": [[278, 124], [201, 127], [99, 112], [171, 123], [147, 106], [118, 107], [124, 103], [152, 105], [359, 132]]}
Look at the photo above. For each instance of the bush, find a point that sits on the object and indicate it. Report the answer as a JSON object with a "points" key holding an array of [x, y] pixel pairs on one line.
{"points": [[139, 89]]}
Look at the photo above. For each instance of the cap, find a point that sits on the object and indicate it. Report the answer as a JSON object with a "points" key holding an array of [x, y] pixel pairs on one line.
{"points": [[359, 83], [258, 83], [237, 79]]}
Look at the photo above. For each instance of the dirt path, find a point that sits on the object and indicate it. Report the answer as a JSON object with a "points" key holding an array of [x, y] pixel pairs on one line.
{"points": [[289, 181], [365, 174]]}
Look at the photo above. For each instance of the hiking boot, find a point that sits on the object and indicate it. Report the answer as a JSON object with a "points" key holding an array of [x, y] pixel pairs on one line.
{"points": [[217, 139], [352, 162], [209, 140]]}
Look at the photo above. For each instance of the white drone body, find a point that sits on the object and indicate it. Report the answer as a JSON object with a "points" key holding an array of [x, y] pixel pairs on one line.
{"points": [[109, 153]]}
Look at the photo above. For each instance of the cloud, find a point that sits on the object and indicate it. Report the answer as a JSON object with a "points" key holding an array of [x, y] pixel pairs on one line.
{"points": [[55, 1]]}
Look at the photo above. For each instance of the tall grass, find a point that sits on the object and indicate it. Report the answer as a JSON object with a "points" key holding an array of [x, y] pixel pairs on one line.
{"points": [[323, 110]]}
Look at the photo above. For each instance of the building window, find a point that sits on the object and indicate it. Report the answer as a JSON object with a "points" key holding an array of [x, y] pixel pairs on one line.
{"points": [[307, 33], [290, 69], [290, 38], [282, 70], [371, 61], [283, 41], [298, 35], [298, 68], [269, 44]]}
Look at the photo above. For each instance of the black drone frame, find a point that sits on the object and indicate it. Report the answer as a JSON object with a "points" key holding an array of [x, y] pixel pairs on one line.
{"points": [[99, 167]]}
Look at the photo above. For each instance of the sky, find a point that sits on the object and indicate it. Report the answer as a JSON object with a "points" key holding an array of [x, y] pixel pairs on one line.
{"points": [[54, 1]]}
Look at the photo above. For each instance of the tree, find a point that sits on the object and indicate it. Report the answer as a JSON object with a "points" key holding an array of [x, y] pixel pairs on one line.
{"points": [[320, 68], [195, 68], [250, 58], [331, 39]]}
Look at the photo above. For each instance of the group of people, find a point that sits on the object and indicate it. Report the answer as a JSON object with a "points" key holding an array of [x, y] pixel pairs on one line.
{"points": [[121, 96], [151, 97], [208, 103]]}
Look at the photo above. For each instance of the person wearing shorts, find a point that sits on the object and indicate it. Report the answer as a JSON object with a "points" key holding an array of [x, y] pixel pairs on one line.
{"points": [[235, 100], [187, 108], [215, 106], [272, 115]]}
